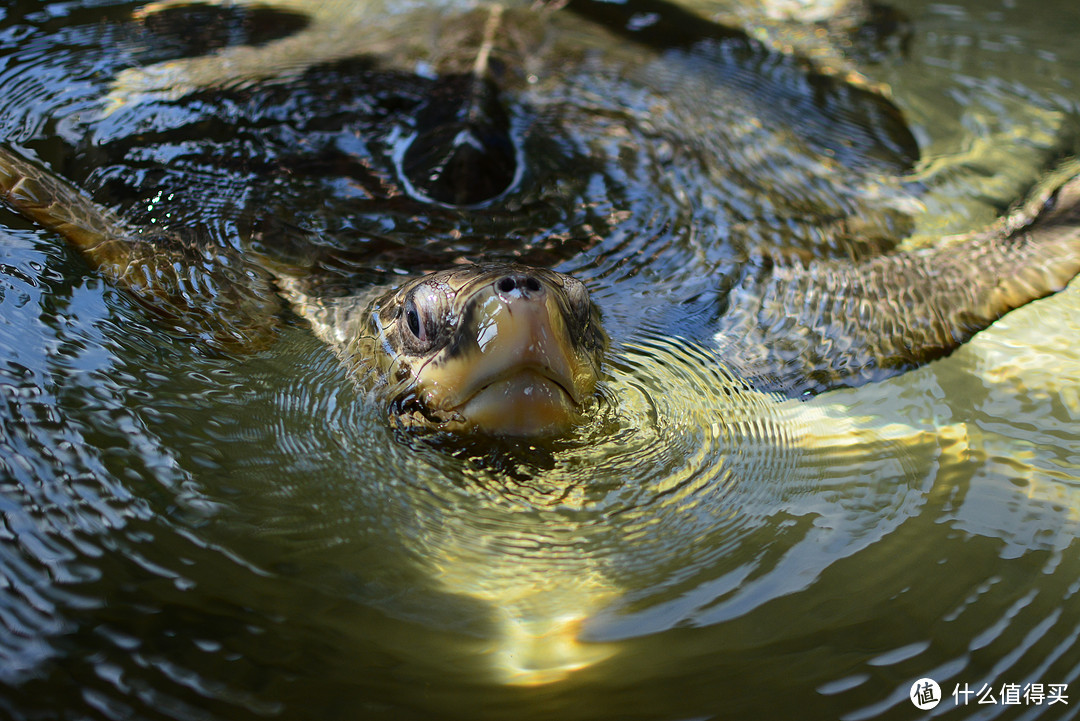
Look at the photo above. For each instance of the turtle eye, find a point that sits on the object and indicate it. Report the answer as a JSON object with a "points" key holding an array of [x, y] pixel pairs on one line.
{"points": [[415, 321], [420, 318], [412, 317]]}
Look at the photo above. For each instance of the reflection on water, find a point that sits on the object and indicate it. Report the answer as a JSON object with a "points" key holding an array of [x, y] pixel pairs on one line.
{"points": [[190, 536]]}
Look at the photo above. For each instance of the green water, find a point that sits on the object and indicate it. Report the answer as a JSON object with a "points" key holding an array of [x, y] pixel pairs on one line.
{"points": [[189, 536]]}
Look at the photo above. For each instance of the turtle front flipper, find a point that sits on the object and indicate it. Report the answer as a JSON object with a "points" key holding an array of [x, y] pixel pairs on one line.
{"points": [[802, 326], [209, 290]]}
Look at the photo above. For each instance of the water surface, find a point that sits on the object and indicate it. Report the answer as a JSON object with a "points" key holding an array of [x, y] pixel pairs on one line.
{"points": [[191, 536]]}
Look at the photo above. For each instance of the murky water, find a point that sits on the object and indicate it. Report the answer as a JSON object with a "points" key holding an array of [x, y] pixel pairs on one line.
{"points": [[191, 536]]}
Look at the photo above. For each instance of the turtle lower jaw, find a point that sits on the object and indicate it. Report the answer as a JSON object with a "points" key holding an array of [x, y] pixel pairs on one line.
{"points": [[526, 402]]}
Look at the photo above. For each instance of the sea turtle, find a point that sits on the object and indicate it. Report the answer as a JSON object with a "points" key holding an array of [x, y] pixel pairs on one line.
{"points": [[829, 299], [517, 350]]}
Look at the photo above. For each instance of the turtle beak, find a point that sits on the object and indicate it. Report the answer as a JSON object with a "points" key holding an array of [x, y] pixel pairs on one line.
{"points": [[513, 368]]}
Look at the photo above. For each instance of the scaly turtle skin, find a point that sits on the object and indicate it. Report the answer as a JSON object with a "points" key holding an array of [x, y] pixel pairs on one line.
{"points": [[832, 324], [211, 291]]}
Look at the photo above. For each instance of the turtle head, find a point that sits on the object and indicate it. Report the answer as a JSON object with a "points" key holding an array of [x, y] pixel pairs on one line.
{"points": [[500, 349]]}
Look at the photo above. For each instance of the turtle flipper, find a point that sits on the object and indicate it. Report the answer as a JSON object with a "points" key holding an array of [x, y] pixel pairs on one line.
{"points": [[804, 326], [207, 290]]}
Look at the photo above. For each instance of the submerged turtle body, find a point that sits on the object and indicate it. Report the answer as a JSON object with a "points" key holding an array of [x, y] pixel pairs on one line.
{"points": [[507, 97], [538, 132]]}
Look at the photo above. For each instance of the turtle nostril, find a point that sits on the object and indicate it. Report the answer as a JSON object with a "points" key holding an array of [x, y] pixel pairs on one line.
{"points": [[519, 285]]}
